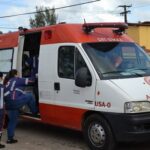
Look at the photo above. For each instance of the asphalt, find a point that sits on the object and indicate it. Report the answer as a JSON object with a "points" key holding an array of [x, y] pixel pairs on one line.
{"points": [[37, 136]]}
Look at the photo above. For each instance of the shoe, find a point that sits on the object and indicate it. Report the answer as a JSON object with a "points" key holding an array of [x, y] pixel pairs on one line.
{"points": [[36, 115], [2, 146], [12, 141]]}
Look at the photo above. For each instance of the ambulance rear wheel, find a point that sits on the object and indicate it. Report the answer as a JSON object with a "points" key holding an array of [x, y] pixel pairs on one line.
{"points": [[98, 134]]}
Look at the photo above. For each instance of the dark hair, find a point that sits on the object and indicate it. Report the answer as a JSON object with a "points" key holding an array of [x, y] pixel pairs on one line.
{"points": [[1, 74], [10, 75]]}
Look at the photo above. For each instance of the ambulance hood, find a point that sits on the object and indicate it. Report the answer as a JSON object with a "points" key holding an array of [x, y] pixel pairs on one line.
{"points": [[138, 89]]}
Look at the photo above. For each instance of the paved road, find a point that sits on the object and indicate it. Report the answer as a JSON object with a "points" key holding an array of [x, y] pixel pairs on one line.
{"points": [[37, 136]]}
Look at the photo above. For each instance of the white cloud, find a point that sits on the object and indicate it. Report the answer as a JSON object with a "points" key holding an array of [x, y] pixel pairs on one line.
{"points": [[100, 11]]}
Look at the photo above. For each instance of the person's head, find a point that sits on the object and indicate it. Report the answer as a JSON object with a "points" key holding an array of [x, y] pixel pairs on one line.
{"points": [[1, 76], [25, 57], [13, 73]]}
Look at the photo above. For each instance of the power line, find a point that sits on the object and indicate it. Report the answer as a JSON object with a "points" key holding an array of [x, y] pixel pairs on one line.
{"points": [[2, 27], [34, 12]]}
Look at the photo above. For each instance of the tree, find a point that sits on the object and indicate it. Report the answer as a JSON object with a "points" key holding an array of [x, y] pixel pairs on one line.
{"points": [[1, 32], [43, 17]]}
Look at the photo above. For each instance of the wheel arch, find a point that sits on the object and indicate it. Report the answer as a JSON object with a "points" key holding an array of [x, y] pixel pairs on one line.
{"points": [[90, 113]]}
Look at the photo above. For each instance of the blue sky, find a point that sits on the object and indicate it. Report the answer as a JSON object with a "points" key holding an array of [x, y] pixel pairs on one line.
{"points": [[101, 11]]}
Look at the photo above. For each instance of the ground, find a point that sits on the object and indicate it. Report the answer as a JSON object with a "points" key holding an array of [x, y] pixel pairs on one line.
{"points": [[37, 136]]}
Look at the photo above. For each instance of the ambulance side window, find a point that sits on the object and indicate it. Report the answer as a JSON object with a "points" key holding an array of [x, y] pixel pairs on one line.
{"points": [[80, 63], [69, 62], [66, 62], [6, 59]]}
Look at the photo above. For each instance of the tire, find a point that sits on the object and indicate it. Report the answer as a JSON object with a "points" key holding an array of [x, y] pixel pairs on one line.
{"points": [[97, 133]]}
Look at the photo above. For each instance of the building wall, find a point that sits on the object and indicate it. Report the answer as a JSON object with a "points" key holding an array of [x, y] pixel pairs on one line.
{"points": [[140, 34], [133, 32], [145, 36]]}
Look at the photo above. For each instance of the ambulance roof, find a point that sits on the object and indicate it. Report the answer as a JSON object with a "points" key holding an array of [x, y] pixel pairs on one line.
{"points": [[9, 40], [67, 33]]}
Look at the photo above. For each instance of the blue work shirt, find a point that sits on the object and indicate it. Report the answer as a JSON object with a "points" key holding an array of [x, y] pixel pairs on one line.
{"points": [[14, 87], [32, 62]]}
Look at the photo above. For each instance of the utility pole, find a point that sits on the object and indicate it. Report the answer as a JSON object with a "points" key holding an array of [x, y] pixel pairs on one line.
{"points": [[125, 12]]}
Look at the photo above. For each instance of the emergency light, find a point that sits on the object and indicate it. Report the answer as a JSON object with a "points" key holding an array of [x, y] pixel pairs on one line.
{"points": [[88, 27]]}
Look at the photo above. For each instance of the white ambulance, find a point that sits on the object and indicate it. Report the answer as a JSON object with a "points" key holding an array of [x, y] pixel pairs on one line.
{"points": [[90, 77]]}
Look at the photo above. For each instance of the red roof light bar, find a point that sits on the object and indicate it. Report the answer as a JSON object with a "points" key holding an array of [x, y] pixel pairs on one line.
{"points": [[88, 27]]}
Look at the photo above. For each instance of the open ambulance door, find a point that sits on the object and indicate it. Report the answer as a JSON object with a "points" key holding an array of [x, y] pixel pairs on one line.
{"points": [[19, 54], [27, 61]]}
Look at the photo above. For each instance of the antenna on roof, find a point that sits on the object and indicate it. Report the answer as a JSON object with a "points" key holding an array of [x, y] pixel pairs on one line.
{"points": [[85, 27]]}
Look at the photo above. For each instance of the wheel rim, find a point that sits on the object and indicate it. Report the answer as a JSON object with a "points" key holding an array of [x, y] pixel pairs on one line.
{"points": [[97, 134]]}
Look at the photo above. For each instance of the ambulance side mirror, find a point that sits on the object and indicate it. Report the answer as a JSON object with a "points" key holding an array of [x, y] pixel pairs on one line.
{"points": [[83, 77]]}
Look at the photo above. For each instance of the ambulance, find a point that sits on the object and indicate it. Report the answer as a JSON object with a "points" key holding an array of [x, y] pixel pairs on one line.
{"points": [[91, 77]]}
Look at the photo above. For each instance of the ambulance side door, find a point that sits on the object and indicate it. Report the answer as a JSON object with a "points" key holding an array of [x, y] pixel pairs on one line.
{"points": [[71, 99]]}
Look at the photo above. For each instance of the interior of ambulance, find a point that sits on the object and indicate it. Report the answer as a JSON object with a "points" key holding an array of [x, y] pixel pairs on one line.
{"points": [[30, 60]]}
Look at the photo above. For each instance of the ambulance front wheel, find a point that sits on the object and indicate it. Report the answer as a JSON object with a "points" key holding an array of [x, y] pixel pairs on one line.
{"points": [[98, 134]]}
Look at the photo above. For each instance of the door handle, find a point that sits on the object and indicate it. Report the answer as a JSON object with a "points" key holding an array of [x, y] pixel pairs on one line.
{"points": [[56, 86]]}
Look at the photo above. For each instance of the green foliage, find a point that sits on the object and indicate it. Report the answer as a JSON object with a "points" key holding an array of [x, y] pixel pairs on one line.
{"points": [[43, 17]]}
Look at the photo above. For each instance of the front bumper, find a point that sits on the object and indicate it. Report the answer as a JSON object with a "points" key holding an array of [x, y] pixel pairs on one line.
{"points": [[129, 127]]}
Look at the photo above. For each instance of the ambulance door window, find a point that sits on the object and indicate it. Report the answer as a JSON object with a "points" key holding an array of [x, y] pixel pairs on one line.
{"points": [[69, 62], [66, 62], [80, 63], [6, 60]]}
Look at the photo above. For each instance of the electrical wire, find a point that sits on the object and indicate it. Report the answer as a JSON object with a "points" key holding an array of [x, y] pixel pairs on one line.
{"points": [[34, 12], [2, 27], [79, 4]]}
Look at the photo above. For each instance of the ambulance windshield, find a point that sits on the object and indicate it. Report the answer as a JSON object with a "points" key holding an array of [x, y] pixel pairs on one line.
{"points": [[114, 60]]}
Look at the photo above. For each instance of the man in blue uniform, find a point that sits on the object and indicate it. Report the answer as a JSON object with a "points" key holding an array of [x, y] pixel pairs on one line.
{"points": [[1, 108], [34, 68], [26, 66], [30, 65], [15, 98]]}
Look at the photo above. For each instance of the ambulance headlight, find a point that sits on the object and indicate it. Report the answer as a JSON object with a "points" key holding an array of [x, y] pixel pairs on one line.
{"points": [[137, 107]]}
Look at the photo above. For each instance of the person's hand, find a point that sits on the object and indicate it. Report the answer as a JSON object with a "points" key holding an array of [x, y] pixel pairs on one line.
{"points": [[118, 61]]}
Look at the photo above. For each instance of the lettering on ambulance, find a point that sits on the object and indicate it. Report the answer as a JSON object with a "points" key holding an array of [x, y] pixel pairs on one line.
{"points": [[110, 39], [103, 104]]}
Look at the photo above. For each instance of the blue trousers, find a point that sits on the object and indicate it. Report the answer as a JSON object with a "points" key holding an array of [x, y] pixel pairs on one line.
{"points": [[12, 123], [13, 107], [24, 99], [1, 119]]}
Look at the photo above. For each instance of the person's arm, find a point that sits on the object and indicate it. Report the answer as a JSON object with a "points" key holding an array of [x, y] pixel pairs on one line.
{"points": [[25, 81]]}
